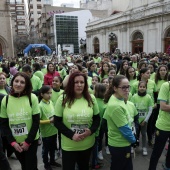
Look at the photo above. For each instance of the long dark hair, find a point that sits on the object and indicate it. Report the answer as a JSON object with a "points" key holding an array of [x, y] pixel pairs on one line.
{"points": [[99, 90], [44, 89], [115, 83], [122, 71], [127, 73], [142, 71], [69, 95], [28, 86], [102, 71], [157, 75]]}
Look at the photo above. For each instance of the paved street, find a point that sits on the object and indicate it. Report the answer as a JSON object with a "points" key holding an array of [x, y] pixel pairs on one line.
{"points": [[140, 162]]}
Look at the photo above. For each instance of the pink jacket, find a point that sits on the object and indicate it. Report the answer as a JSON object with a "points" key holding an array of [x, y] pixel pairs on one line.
{"points": [[48, 78]]}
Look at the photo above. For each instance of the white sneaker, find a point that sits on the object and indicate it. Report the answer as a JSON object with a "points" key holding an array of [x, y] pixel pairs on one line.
{"points": [[107, 150], [132, 150], [100, 155], [145, 152]]}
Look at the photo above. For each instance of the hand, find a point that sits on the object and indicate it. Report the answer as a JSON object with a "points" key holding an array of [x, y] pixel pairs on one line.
{"points": [[143, 123], [76, 137], [24, 146], [17, 147], [86, 133], [52, 120]]}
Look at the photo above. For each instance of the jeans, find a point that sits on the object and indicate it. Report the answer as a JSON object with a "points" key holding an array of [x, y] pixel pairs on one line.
{"points": [[49, 147], [101, 134], [160, 140], [121, 158]]}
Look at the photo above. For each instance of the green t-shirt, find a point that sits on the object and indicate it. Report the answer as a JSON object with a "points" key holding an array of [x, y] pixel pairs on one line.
{"points": [[36, 83], [158, 86], [97, 60], [62, 73], [102, 108], [131, 110], [132, 81], [163, 121], [55, 95], [116, 116], [3, 91], [135, 65], [152, 76], [142, 104], [76, 118], [89, 81], [44, 70], [40, 75], [19, 113], [47, 112]]}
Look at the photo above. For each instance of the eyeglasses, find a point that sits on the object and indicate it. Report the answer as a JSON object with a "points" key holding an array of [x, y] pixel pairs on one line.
{"points": [[124, 88]]}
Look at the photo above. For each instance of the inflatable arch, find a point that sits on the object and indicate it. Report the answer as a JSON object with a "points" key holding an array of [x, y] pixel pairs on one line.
{"points": [[29, 47]]}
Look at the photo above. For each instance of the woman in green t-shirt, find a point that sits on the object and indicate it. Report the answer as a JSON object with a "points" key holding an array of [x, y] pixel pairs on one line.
{"points": [[77, 118], [120, 136], [20, 120], [162, 133]]}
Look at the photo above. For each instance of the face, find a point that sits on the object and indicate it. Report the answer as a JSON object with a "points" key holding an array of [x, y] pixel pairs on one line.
{"points": [[51, 67], [19, 84], [85, 71], [143, 66], [105, 67], [122, 91], [112, 73], [47, 96], [125, 65], [131, 72], [56, 84], [79, 84], [106, 82], [142, 87], [93, 67], [162, 71], [151, 68], [94, 81], [146, 75], [2, 80]]}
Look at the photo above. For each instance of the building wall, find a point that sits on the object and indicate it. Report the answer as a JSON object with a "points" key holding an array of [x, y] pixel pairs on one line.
{"points": [[6, 39], [147, 21]]}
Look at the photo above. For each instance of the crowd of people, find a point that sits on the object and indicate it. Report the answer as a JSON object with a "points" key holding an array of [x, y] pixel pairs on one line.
{"points": [[75, 103]]}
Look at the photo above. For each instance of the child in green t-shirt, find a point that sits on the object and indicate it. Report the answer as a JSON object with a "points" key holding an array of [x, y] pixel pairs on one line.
{"points": [[99, 92], [48, 131], [143, 104]]}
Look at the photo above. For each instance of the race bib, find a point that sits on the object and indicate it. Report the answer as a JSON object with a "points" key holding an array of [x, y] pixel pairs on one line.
{"points": [[142, 113], [79, 129], [19, 129]]}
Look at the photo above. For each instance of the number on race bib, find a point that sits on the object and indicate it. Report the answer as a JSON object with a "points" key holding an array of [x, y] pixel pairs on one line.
{"points": [[78, 129], [19, 129]]}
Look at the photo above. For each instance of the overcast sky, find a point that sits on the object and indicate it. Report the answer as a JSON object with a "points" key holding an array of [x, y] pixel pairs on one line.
{"points": [[59, 2]]}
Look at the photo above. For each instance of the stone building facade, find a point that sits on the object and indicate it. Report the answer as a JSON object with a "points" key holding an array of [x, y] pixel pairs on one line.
{"points": [[143, 26], [6, 40]]}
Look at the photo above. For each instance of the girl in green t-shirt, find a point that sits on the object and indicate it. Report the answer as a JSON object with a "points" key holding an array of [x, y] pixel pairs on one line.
{"points": [[120, 136], [95, 80], [48, 131], [99, 92], [131, 75], [143, 104], [104, 70]]}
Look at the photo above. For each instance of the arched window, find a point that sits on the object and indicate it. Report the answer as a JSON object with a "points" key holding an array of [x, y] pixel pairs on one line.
{"points": [[167, 42], [137, 43], [96, 45], [112, 42]]}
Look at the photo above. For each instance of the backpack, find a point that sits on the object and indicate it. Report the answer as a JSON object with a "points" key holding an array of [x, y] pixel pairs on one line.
{"points": [[30, 102]]}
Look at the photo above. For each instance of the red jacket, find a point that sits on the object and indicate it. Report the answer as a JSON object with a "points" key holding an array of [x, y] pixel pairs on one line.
{"points": [[48, 78]]}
